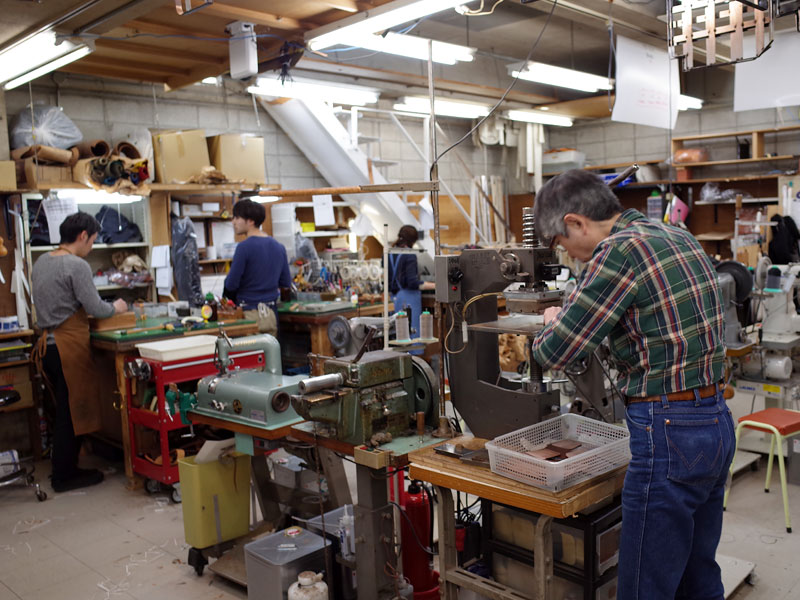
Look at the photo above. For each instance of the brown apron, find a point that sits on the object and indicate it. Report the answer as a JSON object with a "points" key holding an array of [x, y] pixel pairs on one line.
{"points": [[77, 364]]}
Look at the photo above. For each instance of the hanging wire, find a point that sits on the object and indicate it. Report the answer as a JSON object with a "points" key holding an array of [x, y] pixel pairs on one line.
{"points": [[503, 97]]}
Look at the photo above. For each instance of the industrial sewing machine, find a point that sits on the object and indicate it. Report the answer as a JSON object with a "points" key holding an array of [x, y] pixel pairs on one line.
{"points": [[260, 399], [493, 402], [370, 397]]}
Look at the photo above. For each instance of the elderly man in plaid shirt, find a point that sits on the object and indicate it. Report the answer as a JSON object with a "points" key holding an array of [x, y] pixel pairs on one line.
{"points": [[653, 292]]}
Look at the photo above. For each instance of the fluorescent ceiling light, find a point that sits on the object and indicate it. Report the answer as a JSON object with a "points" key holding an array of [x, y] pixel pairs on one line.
{"points": [[266, 199], [314, 90], [412, 47], [87, 196], [689, 103], [37, 56], [443, 108], [550, 75], [371, 21], [210, 81], [537, 116]]}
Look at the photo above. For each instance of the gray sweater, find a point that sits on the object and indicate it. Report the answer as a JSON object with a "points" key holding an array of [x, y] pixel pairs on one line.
{"points": [[61, 285]]}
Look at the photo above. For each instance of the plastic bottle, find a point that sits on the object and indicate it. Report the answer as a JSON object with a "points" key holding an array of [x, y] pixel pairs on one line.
{"points": [[309, 586], [654, 206], [346, 536], [401, 327], [426, 325]]}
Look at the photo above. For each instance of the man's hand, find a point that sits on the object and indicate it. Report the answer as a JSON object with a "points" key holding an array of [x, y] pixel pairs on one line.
{"points": [[427, 285], [120, 306], [550, 314]]}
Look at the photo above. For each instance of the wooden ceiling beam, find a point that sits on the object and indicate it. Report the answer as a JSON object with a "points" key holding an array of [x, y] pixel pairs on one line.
{"points": [[148, 26], [191, 76], [134, 65], [161, 51], [594, 107], [236, 13], [80, 68]]}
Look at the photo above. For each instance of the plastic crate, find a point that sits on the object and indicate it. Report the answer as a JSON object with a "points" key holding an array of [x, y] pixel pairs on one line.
{"points": [[507, 453]]}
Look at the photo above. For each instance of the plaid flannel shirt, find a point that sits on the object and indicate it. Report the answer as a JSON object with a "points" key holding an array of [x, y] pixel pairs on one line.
{"points": [[653, 291]]}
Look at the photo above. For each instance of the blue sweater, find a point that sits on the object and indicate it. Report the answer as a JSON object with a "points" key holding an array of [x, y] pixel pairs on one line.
{"points": [[259, 268]]}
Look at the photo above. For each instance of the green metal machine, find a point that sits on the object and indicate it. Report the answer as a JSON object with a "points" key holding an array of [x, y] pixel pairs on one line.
{"points": [[260, 399], [369, 398]]}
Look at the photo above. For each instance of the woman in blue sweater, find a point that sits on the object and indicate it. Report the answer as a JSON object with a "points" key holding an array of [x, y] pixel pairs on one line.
{"points": [[259, 268], [404, 283]]}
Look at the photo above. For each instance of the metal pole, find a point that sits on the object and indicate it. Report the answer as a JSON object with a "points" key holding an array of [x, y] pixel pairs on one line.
{"points": [[385, 286]]}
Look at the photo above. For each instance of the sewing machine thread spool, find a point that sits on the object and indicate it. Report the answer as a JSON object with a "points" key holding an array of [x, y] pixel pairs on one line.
{"points": [[401, 326], [529, 238], [426, 325]]}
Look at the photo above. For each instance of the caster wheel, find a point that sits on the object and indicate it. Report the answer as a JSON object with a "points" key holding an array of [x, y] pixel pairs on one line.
{"points": [[41, 496], [197, 560], [175, 494], [151, 486]]}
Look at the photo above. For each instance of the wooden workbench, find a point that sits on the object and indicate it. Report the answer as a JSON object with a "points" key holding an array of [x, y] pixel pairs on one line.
{"points": [[115, 347], [449, 473]]}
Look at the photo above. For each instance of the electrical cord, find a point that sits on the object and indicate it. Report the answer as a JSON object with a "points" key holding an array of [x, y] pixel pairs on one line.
{"points": [[503, 97], [413, 531], [479, 12]]}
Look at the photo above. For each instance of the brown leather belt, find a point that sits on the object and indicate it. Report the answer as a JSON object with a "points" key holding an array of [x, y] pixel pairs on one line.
{"points": [[684, 396]]}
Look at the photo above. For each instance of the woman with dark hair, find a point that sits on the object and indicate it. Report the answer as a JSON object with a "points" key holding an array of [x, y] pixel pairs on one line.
{"points": [[404, 283]]}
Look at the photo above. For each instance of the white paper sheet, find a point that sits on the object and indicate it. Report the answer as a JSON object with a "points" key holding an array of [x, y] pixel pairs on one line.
{"points": [[647, 85], [212, 450], [56, 210], [159, 257], [214, 284], [164, 278], [200, 232], [323, 210], [765, 82], [210, 207], [222, 233]]}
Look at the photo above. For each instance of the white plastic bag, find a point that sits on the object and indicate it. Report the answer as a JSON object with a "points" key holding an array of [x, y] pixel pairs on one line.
{"points": [[51, 127]]}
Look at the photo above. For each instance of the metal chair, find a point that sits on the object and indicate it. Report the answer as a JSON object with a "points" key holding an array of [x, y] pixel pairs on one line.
{"points": [[12, 470], [781, 423]]}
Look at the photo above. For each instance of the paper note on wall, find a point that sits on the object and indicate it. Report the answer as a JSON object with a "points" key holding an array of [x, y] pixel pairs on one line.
{"points": [[200, 232], [647, 85], [56, 210], [222, 233], [159, 257], [323, 210]]}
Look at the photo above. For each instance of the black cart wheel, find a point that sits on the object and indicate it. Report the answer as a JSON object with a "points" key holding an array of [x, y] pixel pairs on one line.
{"points": [[175, 493], [41, 495], [151, 486], [197, 560]]}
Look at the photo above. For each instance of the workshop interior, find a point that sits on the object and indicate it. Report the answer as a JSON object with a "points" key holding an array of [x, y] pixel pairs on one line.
{"points": [[314, 278]]}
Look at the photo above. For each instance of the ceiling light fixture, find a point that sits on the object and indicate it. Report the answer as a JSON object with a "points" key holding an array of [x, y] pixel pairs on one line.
{"points": [[37, 56], [559, 77], [412, 47], [443, 108], [382, 18], [537, 116], [314, 90], [89, 196], [689, 103]]}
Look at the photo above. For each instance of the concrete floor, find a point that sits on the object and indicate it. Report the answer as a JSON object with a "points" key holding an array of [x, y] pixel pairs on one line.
{"points": [[108, 543]]}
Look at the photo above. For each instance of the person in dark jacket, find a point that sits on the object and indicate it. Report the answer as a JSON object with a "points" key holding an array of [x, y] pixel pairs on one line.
{"points": [[404, 282]]}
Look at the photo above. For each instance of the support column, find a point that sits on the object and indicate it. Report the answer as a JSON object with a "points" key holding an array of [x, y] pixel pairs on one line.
{"points": [[373, 518]]}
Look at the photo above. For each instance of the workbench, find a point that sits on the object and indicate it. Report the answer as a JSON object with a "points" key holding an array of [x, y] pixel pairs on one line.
{"points": [[116, 346], [315, 324], [449, 473]]}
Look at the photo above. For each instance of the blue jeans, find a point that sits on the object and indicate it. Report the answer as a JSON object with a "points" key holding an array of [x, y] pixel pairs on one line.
{"points": [[672, 499]]}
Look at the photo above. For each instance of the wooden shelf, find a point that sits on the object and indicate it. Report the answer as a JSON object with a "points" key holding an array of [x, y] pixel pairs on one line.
{"points": [[710, 136], [703, 180], [212, 261], [744, 201], [18, 333], [95, 246], [311, 234], [14, 363], [207, 187], [735, 161], [609, 167]]}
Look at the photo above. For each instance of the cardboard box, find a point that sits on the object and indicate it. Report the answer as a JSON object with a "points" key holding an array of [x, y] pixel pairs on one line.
{"points": [[239, 156], [208, 206], [8, 175], [45, 176], [179, 155], [126, 320]]}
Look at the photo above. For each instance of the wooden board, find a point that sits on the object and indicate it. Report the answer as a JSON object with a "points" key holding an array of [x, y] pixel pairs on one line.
{"points": [[126, 320], [451, 473]]}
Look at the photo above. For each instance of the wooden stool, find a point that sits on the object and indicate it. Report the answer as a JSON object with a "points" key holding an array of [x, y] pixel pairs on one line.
{"points": [[781, 423]]}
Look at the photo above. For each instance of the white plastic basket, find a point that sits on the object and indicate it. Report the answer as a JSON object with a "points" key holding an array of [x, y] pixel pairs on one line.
{"points": [[507, 453]]}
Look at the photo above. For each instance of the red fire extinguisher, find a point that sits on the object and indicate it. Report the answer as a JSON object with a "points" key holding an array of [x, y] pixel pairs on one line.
{"points": [[417, 566]]}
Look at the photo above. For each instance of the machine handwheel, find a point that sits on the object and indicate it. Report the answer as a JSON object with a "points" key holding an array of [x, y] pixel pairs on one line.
{"points": [[197, 560], [151, 486], [175, 494]]}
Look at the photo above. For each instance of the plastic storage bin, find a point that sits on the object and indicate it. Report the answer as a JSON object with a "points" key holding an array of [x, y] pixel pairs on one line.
{"points": [[507, 453], [219, 486], [273, 562], [563, 160]]}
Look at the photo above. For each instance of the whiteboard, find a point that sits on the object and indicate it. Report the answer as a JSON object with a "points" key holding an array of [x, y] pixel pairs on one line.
{"points": [[647, 85], [771, 80]]}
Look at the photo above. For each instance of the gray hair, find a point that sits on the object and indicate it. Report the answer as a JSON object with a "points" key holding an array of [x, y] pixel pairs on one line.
{"points": [[575, 191]]}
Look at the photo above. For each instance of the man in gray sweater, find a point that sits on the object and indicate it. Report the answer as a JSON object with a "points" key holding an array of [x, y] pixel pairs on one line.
{"points": [[64, 295]]}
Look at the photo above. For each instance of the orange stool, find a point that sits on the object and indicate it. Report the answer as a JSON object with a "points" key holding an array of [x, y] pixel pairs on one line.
{"points": [[781, 423]]}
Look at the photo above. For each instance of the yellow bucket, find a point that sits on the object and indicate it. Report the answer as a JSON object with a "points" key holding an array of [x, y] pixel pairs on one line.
{"points": [[212, 491]]}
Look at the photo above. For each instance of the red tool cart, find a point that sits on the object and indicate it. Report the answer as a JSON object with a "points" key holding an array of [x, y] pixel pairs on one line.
{"points": [[161, 375]]}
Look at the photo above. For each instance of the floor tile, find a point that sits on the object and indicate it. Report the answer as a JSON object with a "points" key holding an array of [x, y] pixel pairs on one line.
{"points": [[32, 577], [7, 594]]}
